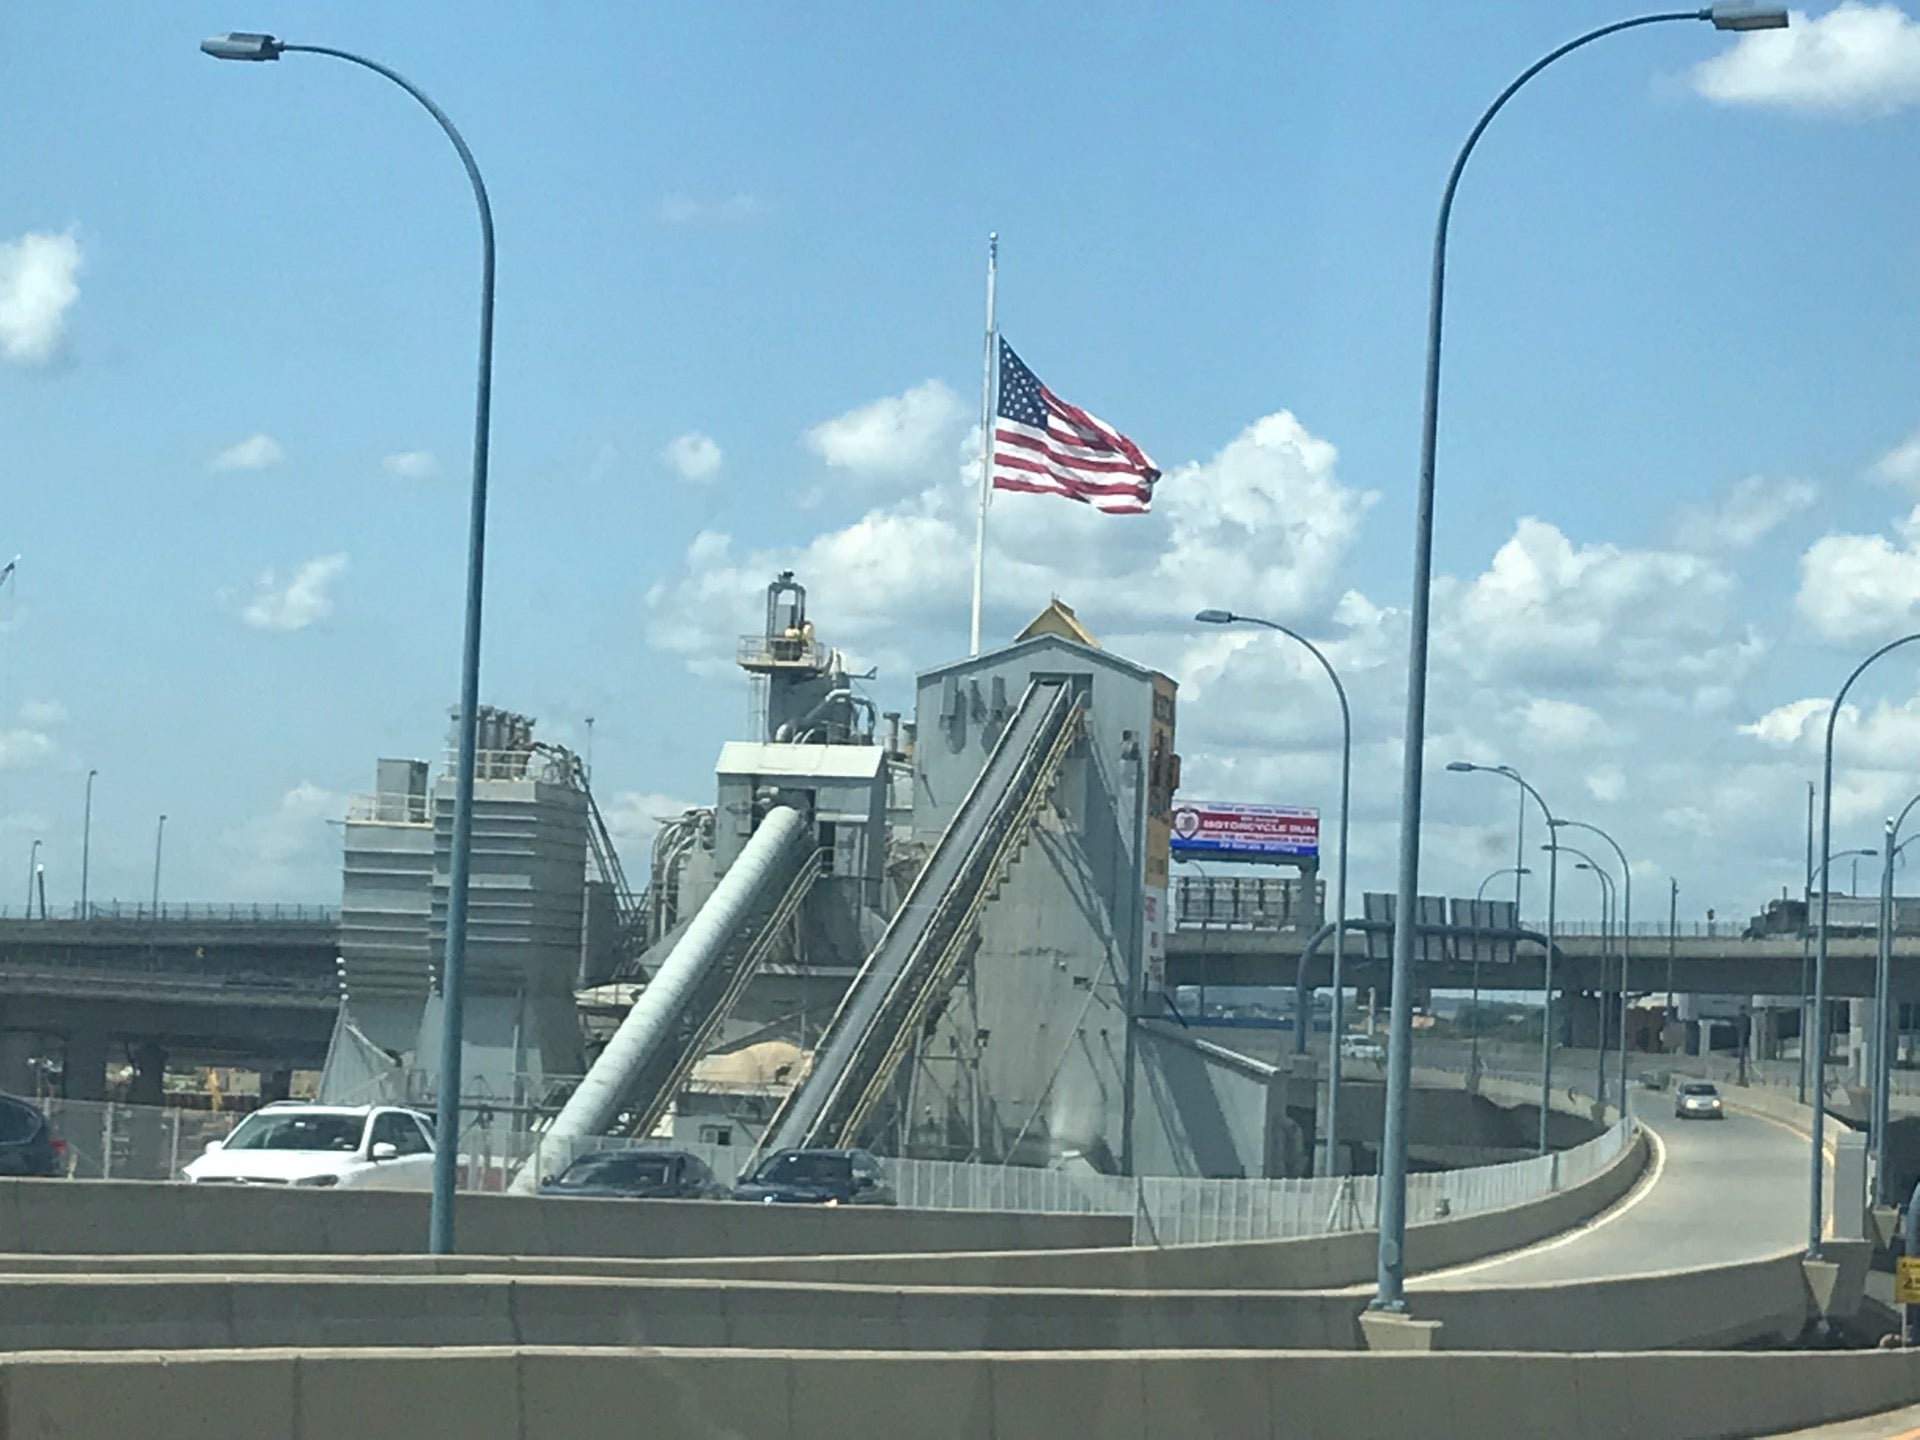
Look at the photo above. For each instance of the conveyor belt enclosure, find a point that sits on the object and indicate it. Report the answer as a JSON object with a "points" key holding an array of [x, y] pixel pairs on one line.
{"points": [[691, 991], [915, 962]]}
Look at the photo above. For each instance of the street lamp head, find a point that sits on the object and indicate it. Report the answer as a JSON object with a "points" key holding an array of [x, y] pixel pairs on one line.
{"points": [[239, 45], [1462, 767], [1216, 617], [1734, 15]]}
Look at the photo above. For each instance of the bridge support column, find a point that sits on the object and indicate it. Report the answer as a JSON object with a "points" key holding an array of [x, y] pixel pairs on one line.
{"points": [[84, 1069], [146, 1124], [18, 1050]]}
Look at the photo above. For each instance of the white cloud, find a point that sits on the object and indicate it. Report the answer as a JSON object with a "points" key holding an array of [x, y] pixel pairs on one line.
{"points": [[39, 283], [680, 208], [1857, 59], [1595, 616], [42, 713], [289, 852], [693, 456], [297, 602], [411, 465], [1746, 514], [257, 452], [1607, 784], [1561, 724], [1900, 465], [22, 748], [633, 818], [901, 435], [1784, 725], [1856, 586]]}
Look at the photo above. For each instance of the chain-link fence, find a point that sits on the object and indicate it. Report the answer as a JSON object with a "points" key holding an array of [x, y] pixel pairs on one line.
{"points": [[109, 1141]]}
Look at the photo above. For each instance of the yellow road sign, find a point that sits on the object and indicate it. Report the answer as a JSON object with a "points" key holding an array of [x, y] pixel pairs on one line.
{"points": [[1906, 1280]]}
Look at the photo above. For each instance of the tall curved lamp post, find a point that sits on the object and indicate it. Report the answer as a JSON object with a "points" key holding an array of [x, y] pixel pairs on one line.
{"points": [[1479, 896], [1884, 1008], [453, 969], [1625, 933], [1391, 1272], [1587, 862], [1338, 977], [1816, 1165], [1465, 767]]}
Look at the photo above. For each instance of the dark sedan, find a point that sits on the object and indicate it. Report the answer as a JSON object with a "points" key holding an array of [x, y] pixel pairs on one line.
{"points": [[637, 1175], [28, 1144], [816, 1177]]}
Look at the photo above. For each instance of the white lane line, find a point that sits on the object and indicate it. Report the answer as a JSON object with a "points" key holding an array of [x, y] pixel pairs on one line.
{"points": [[1639, 1192]]}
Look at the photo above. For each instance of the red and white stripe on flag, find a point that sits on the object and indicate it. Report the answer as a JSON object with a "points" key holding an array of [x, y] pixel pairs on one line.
{"points": [[1045, 446]]}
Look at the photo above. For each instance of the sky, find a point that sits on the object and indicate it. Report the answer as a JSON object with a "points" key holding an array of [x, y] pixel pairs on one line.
{"points": [[741, 264]]}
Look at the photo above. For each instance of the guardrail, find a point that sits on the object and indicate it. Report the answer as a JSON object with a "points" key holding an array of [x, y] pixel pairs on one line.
{"points": [[113, 1141], [176, 913]]}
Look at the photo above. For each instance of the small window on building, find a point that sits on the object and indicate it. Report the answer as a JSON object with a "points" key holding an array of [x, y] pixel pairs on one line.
{"points": [[716, 1135], [829, 849]]}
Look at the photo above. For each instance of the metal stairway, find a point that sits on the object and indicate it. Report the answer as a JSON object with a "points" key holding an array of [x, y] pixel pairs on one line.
{"points": [[917, 960]]}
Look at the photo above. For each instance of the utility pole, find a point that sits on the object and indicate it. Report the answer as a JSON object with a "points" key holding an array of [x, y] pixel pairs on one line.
{"points": [[1673, 940]]}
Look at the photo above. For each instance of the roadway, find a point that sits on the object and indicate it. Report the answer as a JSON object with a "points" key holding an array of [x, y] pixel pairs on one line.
{"points": [[1718, 1192]]}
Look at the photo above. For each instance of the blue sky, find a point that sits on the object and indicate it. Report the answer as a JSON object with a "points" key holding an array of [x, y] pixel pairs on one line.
{"points": [[740, 270]]}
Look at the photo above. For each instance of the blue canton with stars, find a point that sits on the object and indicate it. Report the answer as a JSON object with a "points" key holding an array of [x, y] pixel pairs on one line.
{"points": [[1020, 399]]}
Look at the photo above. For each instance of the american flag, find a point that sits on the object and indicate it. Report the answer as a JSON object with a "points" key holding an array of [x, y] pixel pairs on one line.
{"points": [[1044, 445]]}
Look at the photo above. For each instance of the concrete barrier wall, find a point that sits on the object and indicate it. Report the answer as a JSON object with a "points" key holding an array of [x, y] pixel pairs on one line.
{"points": [[110, 1217], [507, 1394]]}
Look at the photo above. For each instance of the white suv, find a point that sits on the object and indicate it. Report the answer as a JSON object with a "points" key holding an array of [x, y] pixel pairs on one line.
{"points": [[362, 1147]]}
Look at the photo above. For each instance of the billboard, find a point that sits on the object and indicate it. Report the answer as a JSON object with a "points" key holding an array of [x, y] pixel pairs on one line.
{"points": [[1245, 832]]}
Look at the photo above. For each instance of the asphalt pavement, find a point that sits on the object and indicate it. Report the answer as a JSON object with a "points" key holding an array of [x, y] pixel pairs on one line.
{"points": [[1725, 1190]]}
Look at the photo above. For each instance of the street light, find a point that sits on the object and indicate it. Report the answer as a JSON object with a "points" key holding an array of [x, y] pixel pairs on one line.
{"points": [[1587, 862], [33, 868], [1465, 767], [1626, 938], [247, 46], [159, 835], [1479, 896], [1338, 977], [1885, 1010], [1391, 1273], [86, 844], [1816, 1164]]}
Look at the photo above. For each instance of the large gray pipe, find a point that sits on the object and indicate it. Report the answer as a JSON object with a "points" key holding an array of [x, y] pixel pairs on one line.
{"points": [[766, 861]]}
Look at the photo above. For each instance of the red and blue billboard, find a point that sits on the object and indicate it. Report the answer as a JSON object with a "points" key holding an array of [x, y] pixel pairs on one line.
{"points": [[1245, 832]]}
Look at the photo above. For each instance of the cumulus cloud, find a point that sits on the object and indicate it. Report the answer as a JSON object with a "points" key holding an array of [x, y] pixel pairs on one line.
{"points": [[298, 600], [22, 747], [1856, 586], [680, 208], [899, 435], [1855, 59], [1752, 509], [1561, 724], [39, 283], [633, 818], [693, 456], [1900, 465], [411, 465], [288, 852], [1596, 615], [259, 451]]}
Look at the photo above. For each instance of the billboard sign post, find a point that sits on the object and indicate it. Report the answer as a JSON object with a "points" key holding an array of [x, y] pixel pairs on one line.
{"points": [[1245, 832]]}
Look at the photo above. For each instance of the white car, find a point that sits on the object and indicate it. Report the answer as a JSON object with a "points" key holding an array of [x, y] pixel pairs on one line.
{"points": [[1362, 1047], [359, 1147]]}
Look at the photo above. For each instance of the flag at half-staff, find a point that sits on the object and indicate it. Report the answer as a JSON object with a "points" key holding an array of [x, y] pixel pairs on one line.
{"points": [[1045, 446]]}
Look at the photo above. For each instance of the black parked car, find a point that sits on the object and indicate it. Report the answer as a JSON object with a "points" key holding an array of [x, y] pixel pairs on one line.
{"points": [[816, 1177], [28, 1145], [637, 1175]]}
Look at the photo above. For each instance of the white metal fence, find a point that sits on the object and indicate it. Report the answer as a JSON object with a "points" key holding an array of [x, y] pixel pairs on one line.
{"points": [[130, 1142]]}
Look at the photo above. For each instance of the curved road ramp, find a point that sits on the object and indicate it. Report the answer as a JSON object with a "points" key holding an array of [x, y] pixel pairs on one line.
{"points": [[1604, 1309]]}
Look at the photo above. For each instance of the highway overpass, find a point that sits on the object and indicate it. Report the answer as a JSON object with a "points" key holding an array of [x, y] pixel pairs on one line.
{"points": [[1706, 965]]}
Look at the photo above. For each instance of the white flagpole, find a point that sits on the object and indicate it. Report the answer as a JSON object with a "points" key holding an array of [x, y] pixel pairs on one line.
{"points": [[987, 367]]}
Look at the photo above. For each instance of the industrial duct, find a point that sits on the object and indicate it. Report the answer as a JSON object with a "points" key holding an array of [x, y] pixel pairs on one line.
{"points": [[764, 867]]}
